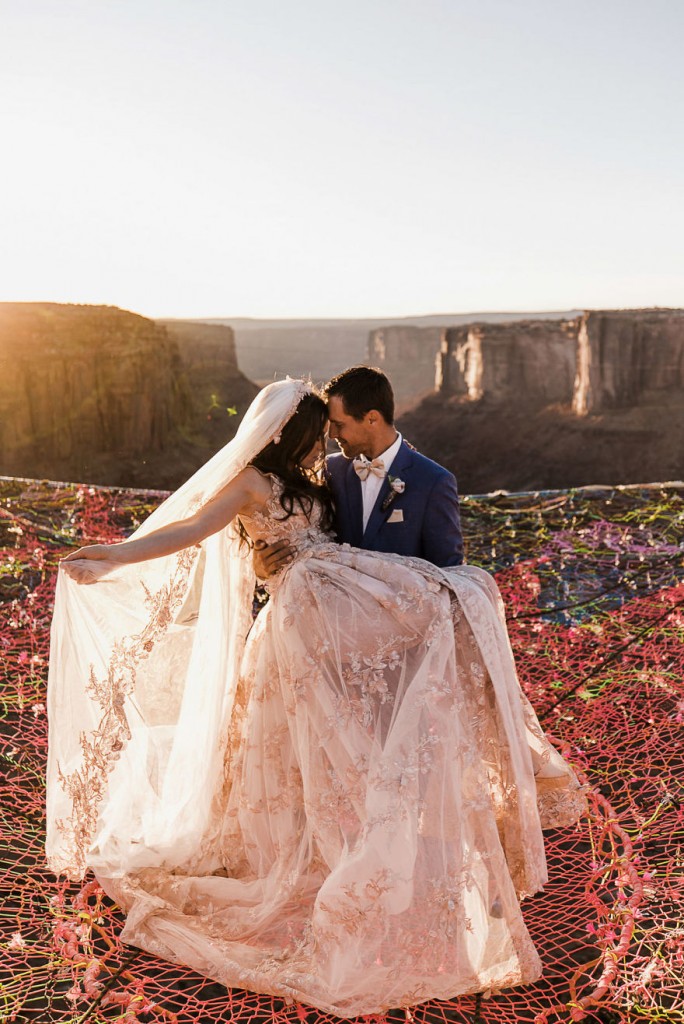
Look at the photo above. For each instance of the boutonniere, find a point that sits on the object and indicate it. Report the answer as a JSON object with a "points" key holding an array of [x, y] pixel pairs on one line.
{"points": [[397, 486]]}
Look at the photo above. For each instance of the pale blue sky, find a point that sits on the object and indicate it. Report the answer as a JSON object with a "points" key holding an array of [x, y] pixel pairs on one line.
{"points": [[310, 158]]}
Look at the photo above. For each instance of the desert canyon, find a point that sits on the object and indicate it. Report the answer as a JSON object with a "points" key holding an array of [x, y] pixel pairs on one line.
{"points": [[506, 401]]}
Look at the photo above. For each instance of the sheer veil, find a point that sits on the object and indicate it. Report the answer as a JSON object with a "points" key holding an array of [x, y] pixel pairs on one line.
{"points": [[143, 668]]}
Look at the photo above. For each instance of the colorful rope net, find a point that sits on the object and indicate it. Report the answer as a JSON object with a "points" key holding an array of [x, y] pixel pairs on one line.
{"points": [[593, 584]]}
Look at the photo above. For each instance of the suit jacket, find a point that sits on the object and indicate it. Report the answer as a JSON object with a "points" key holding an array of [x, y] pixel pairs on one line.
{"points": [[424, 521]]}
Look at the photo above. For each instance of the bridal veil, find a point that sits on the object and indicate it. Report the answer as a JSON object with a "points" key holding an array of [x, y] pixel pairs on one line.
{"points": [[141, 683]]}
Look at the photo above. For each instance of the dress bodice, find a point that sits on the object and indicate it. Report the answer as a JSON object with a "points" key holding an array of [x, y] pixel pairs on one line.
{"points": [[271, 523]]}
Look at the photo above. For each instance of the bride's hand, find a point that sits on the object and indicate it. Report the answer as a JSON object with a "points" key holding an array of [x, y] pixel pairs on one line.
{"points": [[88, 564]]}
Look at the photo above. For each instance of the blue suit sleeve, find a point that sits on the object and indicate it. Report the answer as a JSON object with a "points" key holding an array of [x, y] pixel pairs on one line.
{"points": [[442, 538]]}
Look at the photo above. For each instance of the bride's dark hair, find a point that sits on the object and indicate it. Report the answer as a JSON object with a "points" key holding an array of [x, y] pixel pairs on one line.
{"points": [[283, 458]]}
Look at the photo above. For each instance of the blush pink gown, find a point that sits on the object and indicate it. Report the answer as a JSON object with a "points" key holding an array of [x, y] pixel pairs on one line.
{"points": [[383, 788]]}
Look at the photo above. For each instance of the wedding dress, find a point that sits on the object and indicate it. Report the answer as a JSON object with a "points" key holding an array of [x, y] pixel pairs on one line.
{"points": [[346, 809]]}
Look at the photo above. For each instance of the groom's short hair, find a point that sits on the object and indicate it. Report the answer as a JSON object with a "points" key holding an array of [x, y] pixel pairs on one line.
{"points": [[361, 389]]}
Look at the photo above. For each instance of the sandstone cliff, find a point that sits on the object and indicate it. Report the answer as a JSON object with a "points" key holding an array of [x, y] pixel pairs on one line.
{"points": [[532, 361], [627, 357], [301, 349], [97, 394], [207, 350], [596, 400], [485, 354], [409, 356], [595, 361], [220, 393], [270, 348]]}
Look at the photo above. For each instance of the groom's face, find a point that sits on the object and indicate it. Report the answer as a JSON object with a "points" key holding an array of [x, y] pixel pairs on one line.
{"points": [[354, 437]]}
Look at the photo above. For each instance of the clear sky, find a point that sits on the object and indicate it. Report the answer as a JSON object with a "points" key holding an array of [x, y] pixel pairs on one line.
{"points": [[355, 158]]}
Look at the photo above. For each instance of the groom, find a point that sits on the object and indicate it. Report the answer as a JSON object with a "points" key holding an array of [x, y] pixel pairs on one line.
{"points": [[387, 496]]}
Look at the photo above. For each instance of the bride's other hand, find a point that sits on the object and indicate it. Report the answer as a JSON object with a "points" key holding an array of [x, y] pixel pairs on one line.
{"points": [[88, 564]]}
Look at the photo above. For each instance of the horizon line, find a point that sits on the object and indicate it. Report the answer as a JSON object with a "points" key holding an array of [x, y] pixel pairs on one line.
{"points": [[560, 312]]}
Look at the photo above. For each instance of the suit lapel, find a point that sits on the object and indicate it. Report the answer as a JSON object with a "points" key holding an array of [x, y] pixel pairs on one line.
{"points": [[402, 462]]}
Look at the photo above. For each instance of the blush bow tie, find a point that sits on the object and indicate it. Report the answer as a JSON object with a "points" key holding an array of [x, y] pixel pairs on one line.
{"points": [[363, 467]]}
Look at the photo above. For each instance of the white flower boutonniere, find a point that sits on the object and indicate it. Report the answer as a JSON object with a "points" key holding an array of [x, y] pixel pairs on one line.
{"points": [[397, 486]]}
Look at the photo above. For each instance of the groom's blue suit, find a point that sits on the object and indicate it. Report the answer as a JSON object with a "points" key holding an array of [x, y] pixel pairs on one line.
{"points": [[423, 521]]}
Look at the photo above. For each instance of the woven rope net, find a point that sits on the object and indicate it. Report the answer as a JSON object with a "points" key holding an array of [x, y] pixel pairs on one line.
{"points": [[594, 586]]}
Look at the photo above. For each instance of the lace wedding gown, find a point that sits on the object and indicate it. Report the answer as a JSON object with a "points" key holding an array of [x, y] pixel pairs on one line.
{"points": [[383, 790]]}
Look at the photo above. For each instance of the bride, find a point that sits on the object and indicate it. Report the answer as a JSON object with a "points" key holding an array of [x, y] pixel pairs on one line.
{"points": [[340, 803]]}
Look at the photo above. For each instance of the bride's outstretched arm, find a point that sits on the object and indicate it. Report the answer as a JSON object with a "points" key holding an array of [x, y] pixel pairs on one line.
{"points": [[247, 490]]}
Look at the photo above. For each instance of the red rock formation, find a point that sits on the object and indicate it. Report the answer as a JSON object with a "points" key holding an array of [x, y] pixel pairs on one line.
{"points": [[628, 357], [97, 394], [408, 354], [302, 349], [219, 393], [490, 354], [529, 361], [621, 422], [210, 348], [82, 379]]}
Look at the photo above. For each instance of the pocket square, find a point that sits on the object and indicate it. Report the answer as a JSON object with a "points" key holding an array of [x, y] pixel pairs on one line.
{"points": [[397, 516]]}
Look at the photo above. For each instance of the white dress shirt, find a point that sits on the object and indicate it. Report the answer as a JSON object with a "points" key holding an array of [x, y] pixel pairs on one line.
{"points": [[370, 487]]}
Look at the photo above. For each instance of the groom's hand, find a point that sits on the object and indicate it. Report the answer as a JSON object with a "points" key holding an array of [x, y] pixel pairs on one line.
{"points": [[269, 559]]}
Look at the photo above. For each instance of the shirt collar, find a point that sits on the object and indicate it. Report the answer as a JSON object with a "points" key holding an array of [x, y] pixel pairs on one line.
{"points": [[390, 454]]}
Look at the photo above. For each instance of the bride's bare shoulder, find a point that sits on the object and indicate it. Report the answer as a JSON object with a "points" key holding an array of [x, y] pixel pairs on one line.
{"points": [[257, 485], [248, 486]]}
